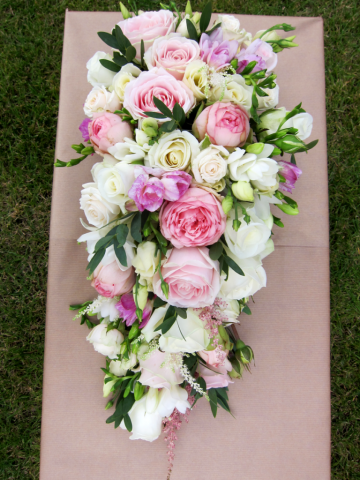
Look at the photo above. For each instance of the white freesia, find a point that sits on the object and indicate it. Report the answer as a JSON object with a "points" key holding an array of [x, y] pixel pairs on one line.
{"points": [[127, 151], [230, 26], [250, 239], [186, 335], [146, 425], [99, 100], [126, 74], [97, 209], [236, 91], [97, 74], [196, 78], [239, 286], [105, 308], [106, 343], [174, 151], [175, 397], [155, 320], [268, 36], [210, 165], [262, 207], [114, 182], [303, 122], [145, 262], [271, 100]]}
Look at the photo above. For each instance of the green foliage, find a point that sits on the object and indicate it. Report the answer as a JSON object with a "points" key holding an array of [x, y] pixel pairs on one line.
{"points": [[31, 37]]}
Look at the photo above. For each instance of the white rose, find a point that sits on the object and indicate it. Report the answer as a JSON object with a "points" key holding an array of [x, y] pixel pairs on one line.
{"points": [[250, 239], [175, 397], [155, 320], [108, 161], [303, 122], [210, 165], [106, 343], [270, 120], [146, 423], [114, 182], [127, 151], [97, 74], [230, 26], [271, 100], [97, 209], [186, 335], [127, 73], [100, 99], [174, 151], [145, 261], [239, 286], [196, 78], [235, 91]]}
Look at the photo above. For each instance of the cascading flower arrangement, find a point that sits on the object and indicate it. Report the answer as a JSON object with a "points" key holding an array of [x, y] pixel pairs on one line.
{"points": [[184, 117]]}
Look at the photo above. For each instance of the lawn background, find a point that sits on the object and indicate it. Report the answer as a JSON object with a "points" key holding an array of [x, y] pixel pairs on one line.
{"points": [[31, 34]]}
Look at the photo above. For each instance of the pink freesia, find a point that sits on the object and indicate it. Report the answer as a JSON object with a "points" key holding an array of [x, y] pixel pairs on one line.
{"points": [[156, 82], [110, 281], [195, 220], [84, 129], [147, 27], [225, 124], [215, 51], [173, 53], [127, 309], [291, 173], [175, 184], [193, 278], [216, 377], [147, 193], [156, 374], [106, 130], [259, 51]]}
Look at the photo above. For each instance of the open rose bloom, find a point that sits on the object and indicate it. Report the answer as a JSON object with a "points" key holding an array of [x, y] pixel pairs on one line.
{"points": [[181, 209]]}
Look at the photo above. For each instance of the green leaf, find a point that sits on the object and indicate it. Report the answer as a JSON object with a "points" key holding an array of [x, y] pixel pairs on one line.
{"points": [[233, 265], [162, 107], [121, 255], [205, 143], [223, 403], [130, 53], [154, 115], [108, 39], [205, 17], [182, 312], [118, 420], [102, 242], [96, 259], [312, 144], [213, 28], [168, 126], [142, 52], [128, 424], [136, 227], [213, 401], [288, 209], [290, 201], [221, 392], [249, 68], [178, 113], [158, 302], [246, 310], [278, 222], [128, 402], [121, 234], [166, 324], [202, 383], [110, 65], [216, 251], [192, 30], [79, 305], [160, 238], [292, 159], [119, 60], [122, 41]]}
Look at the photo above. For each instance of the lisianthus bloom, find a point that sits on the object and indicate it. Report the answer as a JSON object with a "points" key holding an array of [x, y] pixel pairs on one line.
{"points": [[127, 309], [291, 173], [216, 52], [259, 51]]}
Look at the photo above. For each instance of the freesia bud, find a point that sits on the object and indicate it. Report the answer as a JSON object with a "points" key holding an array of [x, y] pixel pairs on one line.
{"points": [[124, 11], [236, 225], [109, 404], [243, 191], [196, 17], [256, 148], [290, 38], [227, 204], [141, 297], [288, 209], [188, 9], [165, 289], [138, 391]]}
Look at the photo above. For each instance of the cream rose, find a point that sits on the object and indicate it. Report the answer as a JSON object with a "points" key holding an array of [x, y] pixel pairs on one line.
{"points": [[127, 73], [114, 182], [97, 209], [97, 74], [99, 100], [250, 239], [145, 262], [210, 165], [174, 151], [196, 79], [236, 91]]}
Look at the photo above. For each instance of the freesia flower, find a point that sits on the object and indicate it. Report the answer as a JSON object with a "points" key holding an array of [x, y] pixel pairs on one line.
{"points": [[127, 309], [84, 129], [291, 173], [259, 51]]}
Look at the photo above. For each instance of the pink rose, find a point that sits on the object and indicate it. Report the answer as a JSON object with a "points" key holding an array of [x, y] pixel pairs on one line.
{"points": [[217, 377], [193, 278], [226, 124], [106, 130], [259, 51], [155, 373], [173, 53], [195, 220], [156, 82], [147, 26], [110, 281]]}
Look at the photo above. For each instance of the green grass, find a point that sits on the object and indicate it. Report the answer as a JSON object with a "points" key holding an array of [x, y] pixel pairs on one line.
{"points": [[31, 34]]}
